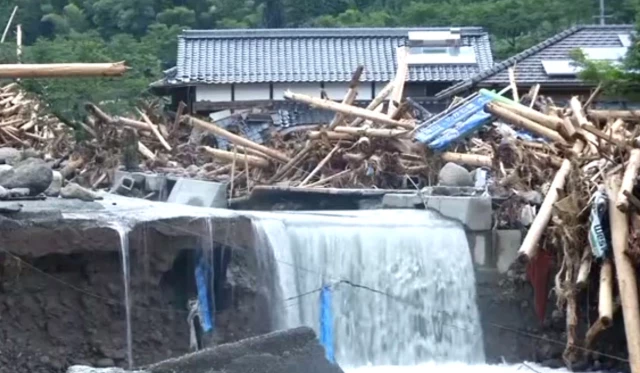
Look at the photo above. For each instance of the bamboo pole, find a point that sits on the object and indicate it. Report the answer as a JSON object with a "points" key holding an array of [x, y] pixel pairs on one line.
{"points": [[548, 121], [525, 123], [320, 165], [375, 103], [60, 70], [468, 159], [373, 132], [529, 247], [8, 26], [235, 139], [349, 97], [328, 179], [629, 180], [293, 163], [399, 80], [231, 156], [627, 284], [19, 43], [346, 109]]}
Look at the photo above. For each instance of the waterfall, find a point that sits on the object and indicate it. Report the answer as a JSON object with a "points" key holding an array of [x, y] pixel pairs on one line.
{"points": [[414, 295], [123, 232]]}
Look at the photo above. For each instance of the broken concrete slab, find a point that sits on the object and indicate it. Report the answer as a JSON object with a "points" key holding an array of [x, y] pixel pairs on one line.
{"points": [[287, 351]]}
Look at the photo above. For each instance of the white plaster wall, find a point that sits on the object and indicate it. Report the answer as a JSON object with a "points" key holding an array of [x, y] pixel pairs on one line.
{"points": [[214, 93], [251, 92], [336, 91], [311, 89], [380, 86]]}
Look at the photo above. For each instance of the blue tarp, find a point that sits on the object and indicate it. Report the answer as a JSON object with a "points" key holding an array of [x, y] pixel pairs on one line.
{"points": [[326, 323], [202, 273], [460, 122]]}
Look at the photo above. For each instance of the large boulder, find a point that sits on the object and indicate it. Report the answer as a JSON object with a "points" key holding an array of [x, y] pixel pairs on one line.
{"points": [[9, 155], [454, 175], [288, 351], [33, 174]]}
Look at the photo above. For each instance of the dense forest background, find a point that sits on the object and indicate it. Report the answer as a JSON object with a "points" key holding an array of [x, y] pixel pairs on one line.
{"points": [[143, 32]]}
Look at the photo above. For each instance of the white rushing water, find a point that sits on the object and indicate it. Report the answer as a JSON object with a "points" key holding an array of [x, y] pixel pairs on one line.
{"points": [[123, 232], [418, 260]]}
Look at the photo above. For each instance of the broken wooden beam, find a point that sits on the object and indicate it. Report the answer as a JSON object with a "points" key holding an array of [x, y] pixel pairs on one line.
{"points": [[475, 160], [349, 97], [60, 70], [603, 115], [525, 123], [238, 140], [529, 247], [629, 180]]}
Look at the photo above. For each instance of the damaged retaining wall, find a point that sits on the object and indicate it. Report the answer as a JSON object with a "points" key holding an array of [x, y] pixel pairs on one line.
{"points": [[61, 287]]}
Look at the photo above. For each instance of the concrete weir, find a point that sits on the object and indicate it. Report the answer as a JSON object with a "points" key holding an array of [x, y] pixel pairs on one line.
{"points": [[62, 270]]}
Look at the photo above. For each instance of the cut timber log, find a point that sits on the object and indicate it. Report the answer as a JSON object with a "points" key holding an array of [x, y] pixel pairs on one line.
{"points": [[377, 101], [629, 180], [467, 159], [582, 121], [238, 140], [525, 123], [241, 159], [585, 268], [603, 115], [372, 132], [625, 271], [62, 70], [146, 152], [154, 129], [347, 109], [548, 121], [512, 84], [349, 97], [529, 247]]}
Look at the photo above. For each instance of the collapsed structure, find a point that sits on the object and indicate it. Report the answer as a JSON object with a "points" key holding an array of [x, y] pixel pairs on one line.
{"points": [[565, 172]]}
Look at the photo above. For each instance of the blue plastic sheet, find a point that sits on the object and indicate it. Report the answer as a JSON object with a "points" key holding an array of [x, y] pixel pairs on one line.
{"points": [[201, 273], [326, 323], [460, 122]]}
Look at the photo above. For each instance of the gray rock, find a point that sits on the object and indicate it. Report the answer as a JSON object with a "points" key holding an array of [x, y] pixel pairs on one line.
{"points": [[105, 363], [19, 192], [87, 369], [454, 175], [4, 193], [9, 155], [30, 153], [532, 197], [75, 191], [32, 173], [56, 185]]}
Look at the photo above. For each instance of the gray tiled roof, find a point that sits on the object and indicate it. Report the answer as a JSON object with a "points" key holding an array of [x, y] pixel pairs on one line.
{"points": [[311, 55], [528, 65]]}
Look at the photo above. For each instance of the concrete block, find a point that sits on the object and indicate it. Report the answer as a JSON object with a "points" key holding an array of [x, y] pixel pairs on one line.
{"points": [[199, 193], [401, 201], [507, 243], [475, 213], [138, 177]]}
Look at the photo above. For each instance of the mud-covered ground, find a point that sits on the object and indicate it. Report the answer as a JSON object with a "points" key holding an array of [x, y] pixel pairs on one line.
{"points": [[60, 310]]}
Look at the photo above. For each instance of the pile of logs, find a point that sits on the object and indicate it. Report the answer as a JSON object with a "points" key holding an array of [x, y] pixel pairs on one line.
{"points": [[24, 123]]}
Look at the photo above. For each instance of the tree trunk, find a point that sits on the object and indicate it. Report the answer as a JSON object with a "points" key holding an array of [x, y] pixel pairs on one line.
{"points": [[62, 70]]}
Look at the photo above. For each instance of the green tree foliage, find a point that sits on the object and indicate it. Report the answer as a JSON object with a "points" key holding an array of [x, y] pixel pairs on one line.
{"points": [[144, 32]]}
